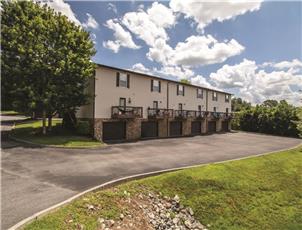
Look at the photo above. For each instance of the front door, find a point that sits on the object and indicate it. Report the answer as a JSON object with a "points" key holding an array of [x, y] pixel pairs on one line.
{"points": [[122, 102]]}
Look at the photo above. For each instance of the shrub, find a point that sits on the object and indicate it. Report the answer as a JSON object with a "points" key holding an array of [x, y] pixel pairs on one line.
{"points": [[83, 128]]}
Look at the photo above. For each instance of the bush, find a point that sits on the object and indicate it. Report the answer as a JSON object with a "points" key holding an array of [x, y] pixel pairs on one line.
{"points": [[83, 128], [279, 118]]}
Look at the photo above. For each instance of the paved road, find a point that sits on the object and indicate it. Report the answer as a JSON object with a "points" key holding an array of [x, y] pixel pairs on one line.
{"points": [[35, 178]]}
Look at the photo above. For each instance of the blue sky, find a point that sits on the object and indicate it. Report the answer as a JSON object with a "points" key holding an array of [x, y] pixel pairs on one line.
{"points": [[250, 49]]}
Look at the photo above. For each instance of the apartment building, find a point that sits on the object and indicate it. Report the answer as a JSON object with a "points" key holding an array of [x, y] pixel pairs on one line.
{"points": [[129, 106]]}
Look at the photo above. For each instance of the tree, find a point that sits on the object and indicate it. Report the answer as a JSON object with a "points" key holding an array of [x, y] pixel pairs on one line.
{"points": [[271, 117], [238, 104], [45, 60], [186, 81]]}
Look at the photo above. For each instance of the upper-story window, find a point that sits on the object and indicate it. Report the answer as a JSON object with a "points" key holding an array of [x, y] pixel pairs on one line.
{"points": [[155, 85], [199, 93], [122, 80], [199, 108], [180, 90], [227, 110], [215, 96], [227, 98], [214, 109]]}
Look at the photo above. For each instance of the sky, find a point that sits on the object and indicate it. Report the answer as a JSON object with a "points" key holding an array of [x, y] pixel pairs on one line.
{"points": [[250, 49]]}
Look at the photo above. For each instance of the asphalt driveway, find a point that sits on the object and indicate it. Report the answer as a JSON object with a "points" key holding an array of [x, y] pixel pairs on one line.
{"points": [[35, 178]]}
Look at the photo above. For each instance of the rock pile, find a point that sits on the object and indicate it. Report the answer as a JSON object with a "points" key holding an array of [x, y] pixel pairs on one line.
{"points": [[168, 213]]}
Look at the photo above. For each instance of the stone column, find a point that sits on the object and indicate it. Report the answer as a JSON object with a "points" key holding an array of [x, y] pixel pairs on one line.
{"points": [[163, 127], [186, 127], [98, 129], [218, 125], [204, 126], [133, 129], [229, 125]]}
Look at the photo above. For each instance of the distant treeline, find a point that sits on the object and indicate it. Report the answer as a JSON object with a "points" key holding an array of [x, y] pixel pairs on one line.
{"points": [[271, 117]]}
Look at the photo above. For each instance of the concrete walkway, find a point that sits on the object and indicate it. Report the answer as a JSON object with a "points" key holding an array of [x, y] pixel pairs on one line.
{"points": [[35, 178]]}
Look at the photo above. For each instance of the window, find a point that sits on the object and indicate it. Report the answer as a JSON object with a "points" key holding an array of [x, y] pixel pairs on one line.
{"points": [[227, 98], [227, 110], [155, 86], [179, 106], [155, 104], [122, 80], [180, 90], [214, 109], [215, 96], [199, 108], [199, 93], [122, 102]]}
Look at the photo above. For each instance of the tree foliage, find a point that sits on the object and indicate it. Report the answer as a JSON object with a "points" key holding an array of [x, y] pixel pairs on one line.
{"points": [[186, 81], [238, 104], [271, 117], [45, 59]]}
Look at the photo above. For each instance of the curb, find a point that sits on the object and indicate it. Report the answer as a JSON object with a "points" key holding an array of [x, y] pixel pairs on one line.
{"points": [[111, 183]]}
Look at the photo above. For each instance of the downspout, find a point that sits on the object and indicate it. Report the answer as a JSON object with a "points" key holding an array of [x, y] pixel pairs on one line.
{"points": [[207, 110], [168, 107], [93, 106]]}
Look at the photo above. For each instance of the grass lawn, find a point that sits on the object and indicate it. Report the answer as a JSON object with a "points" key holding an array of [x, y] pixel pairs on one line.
{"points": [[257, 193], [12, 113], [31, 131]]}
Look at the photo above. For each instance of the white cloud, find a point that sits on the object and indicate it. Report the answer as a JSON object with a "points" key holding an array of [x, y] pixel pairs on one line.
{"points": [[93, 38], [175, 71], [112, 7], [139, 67], [294, 66], [204, 50], [256, 85], [161, 15], [150, 26], [91, 22], [165, 71], [64, 8], [112, 45], [205, 12], [201, 81], [195, 51], [122, 37]]}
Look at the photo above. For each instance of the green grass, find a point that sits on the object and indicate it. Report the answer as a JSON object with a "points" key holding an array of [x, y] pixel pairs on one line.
{"points": [[257, 193], [31, 131], [12, 113]]}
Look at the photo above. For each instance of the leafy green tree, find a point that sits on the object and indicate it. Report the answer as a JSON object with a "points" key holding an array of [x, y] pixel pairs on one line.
{"points": [[238, 104], [272, 117], [45, 60], [186, 81]]}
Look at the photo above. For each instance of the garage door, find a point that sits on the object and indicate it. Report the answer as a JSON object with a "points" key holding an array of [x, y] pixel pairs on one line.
{"points": [[149, 129], [175, 128], [212, 126], [196, 127], [114, 131], [225, 126]]}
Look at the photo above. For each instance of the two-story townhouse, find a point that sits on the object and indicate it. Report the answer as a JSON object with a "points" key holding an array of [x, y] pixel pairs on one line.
{"points": [[129, 105]]}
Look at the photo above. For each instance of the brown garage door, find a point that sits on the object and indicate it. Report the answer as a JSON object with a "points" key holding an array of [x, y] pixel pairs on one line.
{"points": [[114, 131], [196, 127], [175, 128], [212, 126], [225, 126], [149, 129]]}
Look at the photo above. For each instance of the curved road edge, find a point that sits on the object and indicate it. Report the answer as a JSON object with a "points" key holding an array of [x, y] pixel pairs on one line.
{"points": [[111, 183]]}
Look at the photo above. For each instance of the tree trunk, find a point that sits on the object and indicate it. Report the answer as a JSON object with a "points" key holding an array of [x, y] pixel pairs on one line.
{"points": [[44, 122], [49, 123]]}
